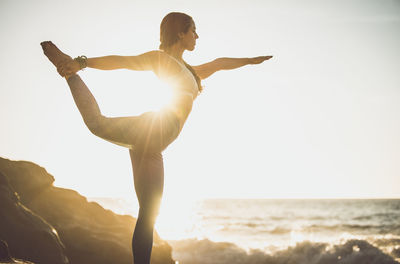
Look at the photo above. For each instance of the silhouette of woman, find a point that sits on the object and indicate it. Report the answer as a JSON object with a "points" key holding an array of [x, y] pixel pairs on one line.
{"points": [[146, 135]]}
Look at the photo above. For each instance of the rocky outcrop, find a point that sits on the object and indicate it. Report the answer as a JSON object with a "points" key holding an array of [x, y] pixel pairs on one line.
{"points": [[90, 233], [26, 178], [27, 234]]}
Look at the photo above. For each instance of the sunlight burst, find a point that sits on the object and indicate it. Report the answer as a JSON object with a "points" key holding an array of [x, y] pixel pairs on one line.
{"points": [[161, 95], [177, 219]]}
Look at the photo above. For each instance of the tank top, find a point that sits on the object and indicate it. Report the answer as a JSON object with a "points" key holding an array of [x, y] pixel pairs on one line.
{"points": [[183, 82]]}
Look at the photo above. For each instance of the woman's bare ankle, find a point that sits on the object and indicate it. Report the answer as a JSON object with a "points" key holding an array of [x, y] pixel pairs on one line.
{"points": [[69, 76]]}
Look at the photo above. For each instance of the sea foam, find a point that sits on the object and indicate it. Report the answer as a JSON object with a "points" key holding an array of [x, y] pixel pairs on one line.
{"points": [[194, 251]]}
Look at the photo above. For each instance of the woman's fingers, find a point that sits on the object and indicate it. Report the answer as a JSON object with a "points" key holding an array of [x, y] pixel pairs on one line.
{"points": [[260, 59], [265, 58], [60, 72], [66, 67]]}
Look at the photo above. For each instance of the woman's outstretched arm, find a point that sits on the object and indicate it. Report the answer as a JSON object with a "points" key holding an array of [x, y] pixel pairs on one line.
{"points": [[115, 62], [149, 61], [206, 70]]}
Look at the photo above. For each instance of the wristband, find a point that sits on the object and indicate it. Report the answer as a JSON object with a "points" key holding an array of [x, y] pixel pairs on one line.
{"points": [[82, 60]]}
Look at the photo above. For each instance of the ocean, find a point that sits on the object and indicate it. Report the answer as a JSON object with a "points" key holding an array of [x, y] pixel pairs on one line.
{"points": [[223, 231]]}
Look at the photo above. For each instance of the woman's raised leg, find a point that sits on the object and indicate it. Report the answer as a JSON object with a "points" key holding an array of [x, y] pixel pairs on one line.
{"points": [[148, 171], [120, 130]]}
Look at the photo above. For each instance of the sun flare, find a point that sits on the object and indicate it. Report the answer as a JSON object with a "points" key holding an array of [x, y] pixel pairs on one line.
{"points": [[163, 95], [177, 219]]}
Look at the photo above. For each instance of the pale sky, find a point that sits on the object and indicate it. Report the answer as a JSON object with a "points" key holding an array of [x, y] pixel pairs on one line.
{"points": [[319, 120]]}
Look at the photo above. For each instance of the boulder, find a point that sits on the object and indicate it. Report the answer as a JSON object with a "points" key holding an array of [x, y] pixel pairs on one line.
{"points": [[28, 235], [25, 177]]}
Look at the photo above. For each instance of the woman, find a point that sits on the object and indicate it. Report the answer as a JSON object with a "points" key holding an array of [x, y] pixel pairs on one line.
{"points": [[149, 134]]}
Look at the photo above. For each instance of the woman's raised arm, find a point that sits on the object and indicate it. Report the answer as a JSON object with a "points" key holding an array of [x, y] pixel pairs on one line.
{"points": [[143, 62], [206, 70], [149, 61]]}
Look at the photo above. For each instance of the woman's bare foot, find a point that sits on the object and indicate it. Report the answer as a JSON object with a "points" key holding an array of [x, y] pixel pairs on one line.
{"points": [[55, 55], [58, 58]]}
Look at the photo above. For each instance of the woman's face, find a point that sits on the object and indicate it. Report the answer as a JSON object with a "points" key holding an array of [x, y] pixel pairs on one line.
{"points": [[188, 39]]}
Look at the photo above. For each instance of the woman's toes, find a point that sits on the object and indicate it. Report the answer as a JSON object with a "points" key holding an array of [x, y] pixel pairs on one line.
{"points": [[55, 55]]}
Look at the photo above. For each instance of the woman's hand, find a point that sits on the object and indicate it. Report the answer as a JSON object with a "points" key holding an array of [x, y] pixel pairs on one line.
{"points": [[259, 59], [68, 67]]}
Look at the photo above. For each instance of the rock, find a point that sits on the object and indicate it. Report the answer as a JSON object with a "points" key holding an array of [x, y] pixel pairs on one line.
{"points": [[5, 257], [26, 177], [27, 234], [90, 233]]}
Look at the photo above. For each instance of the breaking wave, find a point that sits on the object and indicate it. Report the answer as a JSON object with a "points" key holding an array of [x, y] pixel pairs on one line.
{"points": [[195, 251]]}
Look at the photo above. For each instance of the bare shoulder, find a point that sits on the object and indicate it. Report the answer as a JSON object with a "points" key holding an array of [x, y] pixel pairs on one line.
{"points": [[156, 61], [148, 61], [156, 55], [148, 57]]}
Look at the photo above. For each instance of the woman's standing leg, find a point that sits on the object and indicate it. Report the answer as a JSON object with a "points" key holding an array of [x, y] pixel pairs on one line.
{"points": [[148, 172]]}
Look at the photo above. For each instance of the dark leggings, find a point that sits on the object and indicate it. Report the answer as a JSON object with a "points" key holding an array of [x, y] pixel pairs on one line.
{"points": [[146, 136]]}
